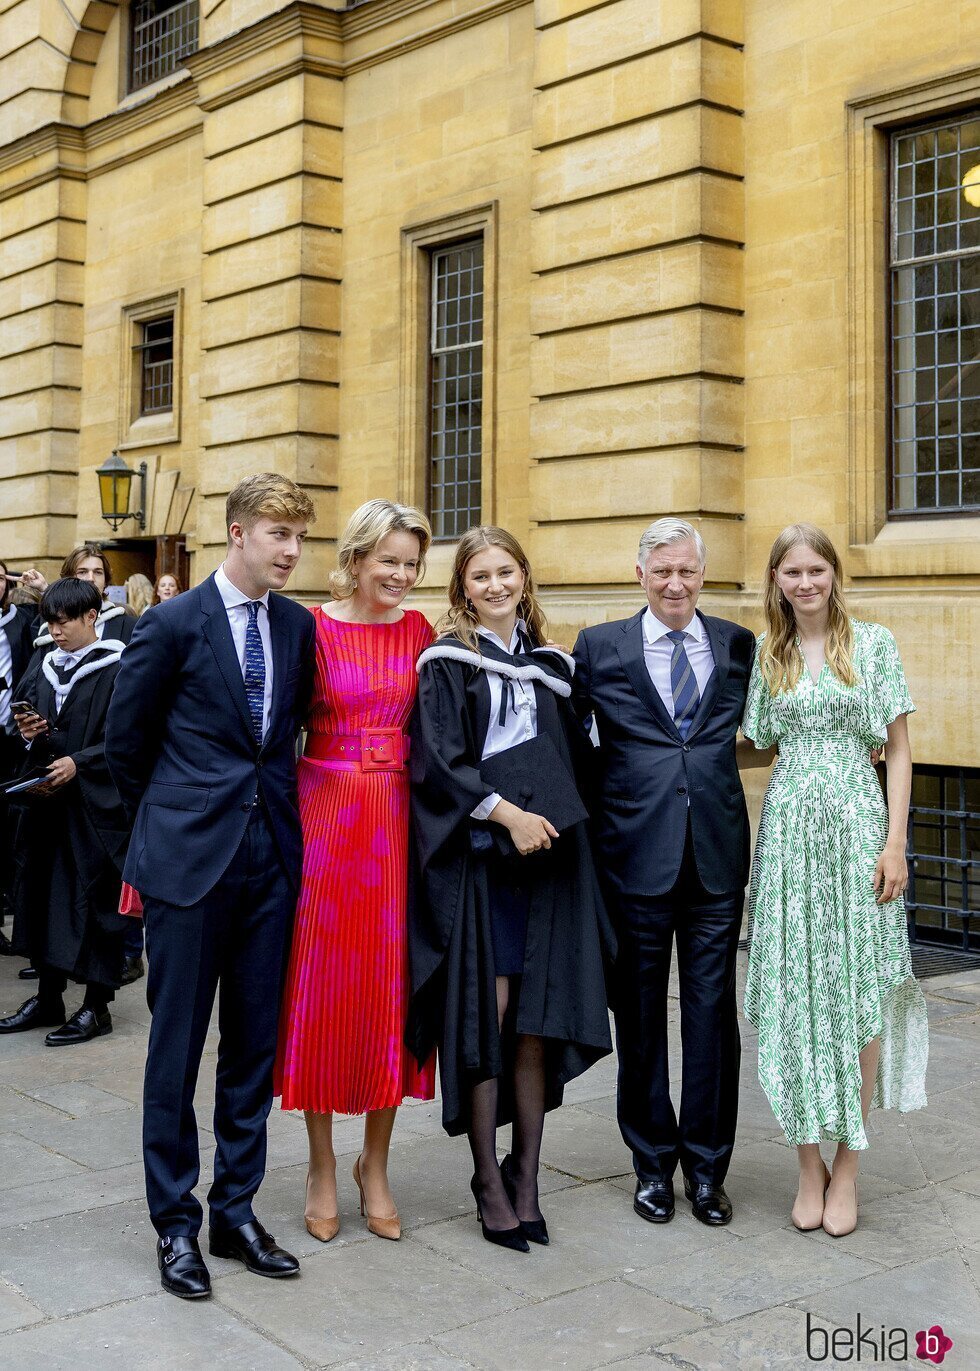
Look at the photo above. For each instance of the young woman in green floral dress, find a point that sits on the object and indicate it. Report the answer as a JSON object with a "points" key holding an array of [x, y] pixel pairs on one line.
{"points": [[841, 1020]]}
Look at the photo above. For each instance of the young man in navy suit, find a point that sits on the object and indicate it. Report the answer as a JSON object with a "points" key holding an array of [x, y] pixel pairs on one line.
{"points": [[667, 689], [200, 739]]}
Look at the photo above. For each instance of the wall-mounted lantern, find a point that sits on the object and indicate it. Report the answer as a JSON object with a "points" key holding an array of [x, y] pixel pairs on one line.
{"points": [[115, 485]]}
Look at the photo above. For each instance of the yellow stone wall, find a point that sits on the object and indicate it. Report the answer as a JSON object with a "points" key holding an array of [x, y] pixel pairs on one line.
{"points": [[682, 202]]}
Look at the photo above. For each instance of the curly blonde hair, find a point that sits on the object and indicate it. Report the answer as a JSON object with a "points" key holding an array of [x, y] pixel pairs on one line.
{"points": [[460, 619], [780, 659], [366, 527]]}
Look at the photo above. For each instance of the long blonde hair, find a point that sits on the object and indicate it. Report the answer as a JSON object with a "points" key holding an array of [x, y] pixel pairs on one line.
{"points": [[369, 523], [461, 619], [139, 592], [780, 659]]}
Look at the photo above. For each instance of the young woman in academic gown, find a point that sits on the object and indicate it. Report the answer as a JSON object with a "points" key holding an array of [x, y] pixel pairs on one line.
{"points": [[508, 936], [72, 835]]}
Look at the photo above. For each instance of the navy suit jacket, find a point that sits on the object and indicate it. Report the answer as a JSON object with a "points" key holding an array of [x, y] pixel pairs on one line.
{"points": [[651, 779], [181, 750]]}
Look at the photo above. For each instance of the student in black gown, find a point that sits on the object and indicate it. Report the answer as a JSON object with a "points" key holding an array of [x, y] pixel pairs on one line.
{"points": [[72, 833], [508, 936], [15, 652]]}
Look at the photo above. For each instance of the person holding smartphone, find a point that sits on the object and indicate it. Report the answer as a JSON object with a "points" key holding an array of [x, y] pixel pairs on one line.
{"points": [[71, 827]]}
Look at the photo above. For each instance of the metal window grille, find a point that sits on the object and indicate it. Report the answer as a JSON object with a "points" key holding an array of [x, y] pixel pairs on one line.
{"points": [[456, 388], [935, 319], [943, 894], [162, 35], [156, 363]]}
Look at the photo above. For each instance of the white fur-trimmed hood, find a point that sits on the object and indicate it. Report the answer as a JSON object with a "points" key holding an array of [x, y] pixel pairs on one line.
{"points": [[454, 652], [87, 668]]}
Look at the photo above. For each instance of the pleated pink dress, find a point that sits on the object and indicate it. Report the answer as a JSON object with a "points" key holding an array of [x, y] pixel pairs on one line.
{"points": [[341, 1046]]}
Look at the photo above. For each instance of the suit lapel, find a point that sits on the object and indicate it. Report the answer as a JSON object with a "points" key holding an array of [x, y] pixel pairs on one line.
{"points": [[217, 631], [722, 659], [630, 648]]}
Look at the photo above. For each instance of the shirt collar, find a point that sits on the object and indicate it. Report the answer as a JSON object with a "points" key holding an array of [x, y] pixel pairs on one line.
{"points": [[62, 658], [515, 641], [654, 629], [230, 594]]}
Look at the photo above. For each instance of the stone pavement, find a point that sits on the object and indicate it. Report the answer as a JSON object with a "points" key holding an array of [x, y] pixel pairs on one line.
{"points": [[79, 1286]]}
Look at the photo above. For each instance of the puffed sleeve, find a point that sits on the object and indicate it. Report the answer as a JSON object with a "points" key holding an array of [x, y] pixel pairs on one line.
{"points": [[886, 690], [757, 721]]}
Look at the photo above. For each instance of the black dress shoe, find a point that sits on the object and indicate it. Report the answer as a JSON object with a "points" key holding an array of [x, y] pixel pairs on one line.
{"points": [[27, 973], [182, 1269], [33, 1014], [654, 1201], [133, 969], [82, 1027], [535, 1230], [251, 1244], [709, 1203]]}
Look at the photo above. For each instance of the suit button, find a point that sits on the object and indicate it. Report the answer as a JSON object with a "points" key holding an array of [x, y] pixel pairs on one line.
{"points": [[682, 790], [246, 808], [687, 747]]}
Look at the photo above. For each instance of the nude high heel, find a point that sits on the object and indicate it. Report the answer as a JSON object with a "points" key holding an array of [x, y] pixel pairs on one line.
{"points": [[812, 1227], [324, 1230], [381, 1228], [842, 1231]]}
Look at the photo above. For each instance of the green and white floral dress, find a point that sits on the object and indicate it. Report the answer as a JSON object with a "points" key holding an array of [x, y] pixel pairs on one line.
{"points": [[829, 968]]}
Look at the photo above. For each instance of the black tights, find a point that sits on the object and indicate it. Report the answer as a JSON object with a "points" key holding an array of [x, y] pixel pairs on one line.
{"points": [[526, 1136], [52, 985]]}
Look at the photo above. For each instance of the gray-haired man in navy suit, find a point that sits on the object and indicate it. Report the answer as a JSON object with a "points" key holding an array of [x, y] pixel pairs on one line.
{"points": [[667, 689]]}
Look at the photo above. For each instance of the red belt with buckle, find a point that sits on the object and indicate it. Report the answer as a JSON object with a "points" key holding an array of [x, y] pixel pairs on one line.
{"points": [[372, 749]]}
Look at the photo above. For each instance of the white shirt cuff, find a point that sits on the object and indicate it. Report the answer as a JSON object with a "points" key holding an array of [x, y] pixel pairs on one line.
{"points": [[485, 807]]}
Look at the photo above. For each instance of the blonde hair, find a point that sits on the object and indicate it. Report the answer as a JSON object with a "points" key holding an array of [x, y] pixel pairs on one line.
{"points": [[266, 495], [139, 592], [460, 619], [780, 659], [366, 527]]}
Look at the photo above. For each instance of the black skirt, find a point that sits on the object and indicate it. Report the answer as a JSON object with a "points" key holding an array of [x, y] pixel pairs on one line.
{"points": [[509, 904]]}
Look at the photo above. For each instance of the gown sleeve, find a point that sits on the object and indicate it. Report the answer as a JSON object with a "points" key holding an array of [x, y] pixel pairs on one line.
{"points": [[886, 690], [757, 721]]}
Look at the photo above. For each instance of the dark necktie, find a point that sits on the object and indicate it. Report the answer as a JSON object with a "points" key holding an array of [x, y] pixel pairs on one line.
{"points": [[254, 669], [683, 684]]}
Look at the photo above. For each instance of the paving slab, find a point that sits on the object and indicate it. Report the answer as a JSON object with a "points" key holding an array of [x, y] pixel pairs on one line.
{"points": [[157, 1333], [952, 1062], [78, 1191], [23, 1160], [753, 1273], [942, 1290], [77, 1262], [415, 1356], [584, 1144], [575, 1332], [16, 1311], [759, 1342], [939, 1217], [367, 1298], [78, 1098], [88, 1140]]}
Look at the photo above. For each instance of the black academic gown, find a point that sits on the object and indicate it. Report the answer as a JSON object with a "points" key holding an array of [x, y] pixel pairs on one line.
{"points": [[71, 845], [562, 993]]}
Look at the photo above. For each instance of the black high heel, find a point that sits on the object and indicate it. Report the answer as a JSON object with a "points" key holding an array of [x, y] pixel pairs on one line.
{"points": [[504, 1237], [535, 1230]]}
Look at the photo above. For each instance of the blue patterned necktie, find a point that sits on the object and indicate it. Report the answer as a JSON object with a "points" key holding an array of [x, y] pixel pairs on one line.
{"points": [[683, 684], [254, 669]]}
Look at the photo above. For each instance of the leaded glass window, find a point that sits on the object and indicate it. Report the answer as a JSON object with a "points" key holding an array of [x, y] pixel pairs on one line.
{"points": [[456, 388]]}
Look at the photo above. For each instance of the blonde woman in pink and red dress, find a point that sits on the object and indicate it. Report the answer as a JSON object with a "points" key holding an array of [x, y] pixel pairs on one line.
{"points": [[341, 1047]]}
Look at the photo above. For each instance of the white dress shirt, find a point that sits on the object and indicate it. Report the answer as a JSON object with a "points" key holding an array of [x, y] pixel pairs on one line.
{"points": [[61, 658], [6, 666], [658, 650], [520, 722], [234, 602]]}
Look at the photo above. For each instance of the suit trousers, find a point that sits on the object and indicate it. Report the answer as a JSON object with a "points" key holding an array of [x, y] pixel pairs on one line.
{"points": [[706, 928], [233, 942]]}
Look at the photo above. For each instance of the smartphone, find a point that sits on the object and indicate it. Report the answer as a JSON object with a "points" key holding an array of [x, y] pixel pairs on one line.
{"points": [[22, 707]]}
